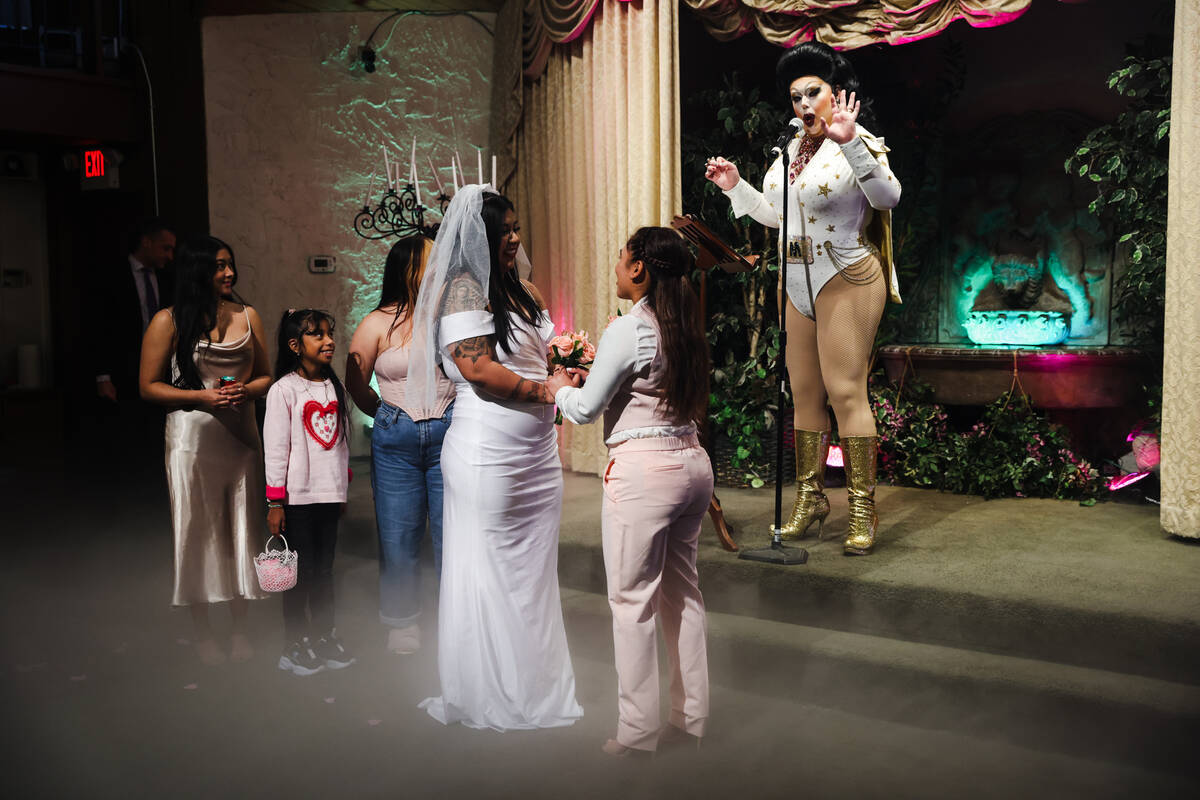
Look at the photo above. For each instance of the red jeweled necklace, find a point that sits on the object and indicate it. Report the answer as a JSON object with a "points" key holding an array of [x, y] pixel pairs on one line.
{"points": [[808, 148]]}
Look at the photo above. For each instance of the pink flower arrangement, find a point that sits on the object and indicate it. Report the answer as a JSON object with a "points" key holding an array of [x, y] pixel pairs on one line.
{"points": [[572, 349]]}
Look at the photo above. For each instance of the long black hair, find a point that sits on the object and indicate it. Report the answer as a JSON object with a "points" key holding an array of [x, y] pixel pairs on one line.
{"points": [[294, 324], [196, 301], [821, 60], [669, 263], [506, 294], [402, 275]]}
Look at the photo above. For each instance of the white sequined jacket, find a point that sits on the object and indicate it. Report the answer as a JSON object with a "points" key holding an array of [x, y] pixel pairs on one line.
{"points": [[842, 201]]}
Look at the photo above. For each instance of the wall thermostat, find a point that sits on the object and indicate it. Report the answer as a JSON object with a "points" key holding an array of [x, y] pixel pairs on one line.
{"points": [[322, 264]]}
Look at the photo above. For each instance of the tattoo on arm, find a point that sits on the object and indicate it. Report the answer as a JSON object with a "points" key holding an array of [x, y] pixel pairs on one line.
{"points": [[529, 391], [464, 294], [473, 349]]}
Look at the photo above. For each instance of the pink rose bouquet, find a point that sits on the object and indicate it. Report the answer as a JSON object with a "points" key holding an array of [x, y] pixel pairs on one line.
{"points": [[572, 350]]}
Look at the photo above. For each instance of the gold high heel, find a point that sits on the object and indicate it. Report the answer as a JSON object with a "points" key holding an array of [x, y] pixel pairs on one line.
{"points": [[860, 456], [812, 448]]}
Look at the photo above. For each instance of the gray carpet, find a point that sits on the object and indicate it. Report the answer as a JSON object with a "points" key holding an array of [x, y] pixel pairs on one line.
{"points": [[926, 670]]}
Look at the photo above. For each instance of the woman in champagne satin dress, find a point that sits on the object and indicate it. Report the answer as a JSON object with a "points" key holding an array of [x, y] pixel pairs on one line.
{"points": [[213, 452]]}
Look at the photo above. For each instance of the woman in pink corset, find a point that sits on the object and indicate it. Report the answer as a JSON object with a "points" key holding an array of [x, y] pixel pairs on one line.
{"points": [[650, 381]]}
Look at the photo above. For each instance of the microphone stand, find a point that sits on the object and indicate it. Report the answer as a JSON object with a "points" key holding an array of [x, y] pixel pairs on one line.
{"points": [[778, 553]]}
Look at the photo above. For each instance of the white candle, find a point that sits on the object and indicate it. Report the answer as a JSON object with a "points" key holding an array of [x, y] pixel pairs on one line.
{"points": [[412, 163], [437, 178], [415, 181], [370, 183], [387, 166], [497, 188], [453, 174], [479, 162]]}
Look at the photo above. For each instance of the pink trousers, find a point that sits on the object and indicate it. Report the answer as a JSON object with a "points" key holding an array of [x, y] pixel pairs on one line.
{"points": [[656, 492]]}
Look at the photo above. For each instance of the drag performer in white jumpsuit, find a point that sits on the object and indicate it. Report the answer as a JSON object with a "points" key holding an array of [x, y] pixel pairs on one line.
{"points": [[840, 193]]}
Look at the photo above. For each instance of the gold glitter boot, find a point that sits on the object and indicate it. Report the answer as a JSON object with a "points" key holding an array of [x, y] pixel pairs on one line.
{"points": [[860, 453], [812, 448]]}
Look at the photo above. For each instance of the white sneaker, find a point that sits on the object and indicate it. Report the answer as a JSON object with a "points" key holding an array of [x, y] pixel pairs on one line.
{"points": [[403, 641]]}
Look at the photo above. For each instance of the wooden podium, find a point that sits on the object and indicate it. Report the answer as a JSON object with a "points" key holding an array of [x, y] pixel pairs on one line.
{"points": [[712, 252]]}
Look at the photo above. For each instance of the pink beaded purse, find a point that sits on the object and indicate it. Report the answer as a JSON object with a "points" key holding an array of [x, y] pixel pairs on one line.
{"points": [[276, 568]]}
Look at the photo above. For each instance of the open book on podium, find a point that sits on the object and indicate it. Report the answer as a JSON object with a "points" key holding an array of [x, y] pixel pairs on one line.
{"points": [[711, 251]]}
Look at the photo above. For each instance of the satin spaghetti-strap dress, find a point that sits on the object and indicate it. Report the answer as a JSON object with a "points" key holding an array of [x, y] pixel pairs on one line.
{"points": [[215, 476]]}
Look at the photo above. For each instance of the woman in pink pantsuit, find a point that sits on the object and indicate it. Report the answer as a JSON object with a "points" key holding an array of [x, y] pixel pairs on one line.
{"points": [[650, 380]]}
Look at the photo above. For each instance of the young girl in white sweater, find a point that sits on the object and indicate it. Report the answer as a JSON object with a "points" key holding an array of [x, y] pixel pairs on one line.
{"points": [[308, 460]]}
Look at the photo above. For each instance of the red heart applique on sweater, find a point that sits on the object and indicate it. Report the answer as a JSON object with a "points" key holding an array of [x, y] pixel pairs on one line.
{"points": [[321, 422]]}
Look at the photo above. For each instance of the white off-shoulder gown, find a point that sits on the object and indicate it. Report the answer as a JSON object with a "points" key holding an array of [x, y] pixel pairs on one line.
{"points": [[502, 649]]}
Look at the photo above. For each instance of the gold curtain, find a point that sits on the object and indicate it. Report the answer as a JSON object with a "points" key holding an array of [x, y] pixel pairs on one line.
{"points": [[598, 156], [1180, 513], [551, 22], [847, 24]]}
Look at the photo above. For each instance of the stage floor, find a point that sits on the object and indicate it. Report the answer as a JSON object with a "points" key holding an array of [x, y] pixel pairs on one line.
{"points": [[986, 650], [1014, 575]]}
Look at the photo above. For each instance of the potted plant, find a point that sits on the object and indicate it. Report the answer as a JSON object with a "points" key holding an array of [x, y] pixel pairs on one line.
{"points": [[742, 308]]}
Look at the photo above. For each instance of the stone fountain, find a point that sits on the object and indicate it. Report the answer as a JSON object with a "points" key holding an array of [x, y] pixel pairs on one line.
{"points": [[1025, 279]]}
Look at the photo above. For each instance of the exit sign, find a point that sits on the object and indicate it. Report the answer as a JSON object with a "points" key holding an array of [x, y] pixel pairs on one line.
{"points": [[98, 169], [93, 163]]}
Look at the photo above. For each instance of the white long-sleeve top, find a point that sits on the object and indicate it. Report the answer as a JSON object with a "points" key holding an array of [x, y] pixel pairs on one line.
{"points": [[307, 456], [627, 346], [832, 201]]}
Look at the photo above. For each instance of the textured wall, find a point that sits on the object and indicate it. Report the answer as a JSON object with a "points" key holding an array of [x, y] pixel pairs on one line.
{"points": [[295, 127]]}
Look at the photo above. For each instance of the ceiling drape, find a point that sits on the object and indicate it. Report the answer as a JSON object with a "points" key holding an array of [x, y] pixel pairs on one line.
{"points": [[847, 24]]}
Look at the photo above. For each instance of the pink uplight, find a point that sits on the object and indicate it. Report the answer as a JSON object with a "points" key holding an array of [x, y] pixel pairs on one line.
{"points": [[834, 459], [1128, 479]]}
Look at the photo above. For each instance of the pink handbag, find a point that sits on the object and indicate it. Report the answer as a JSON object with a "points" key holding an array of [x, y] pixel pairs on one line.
{"points": [[276, 568]]}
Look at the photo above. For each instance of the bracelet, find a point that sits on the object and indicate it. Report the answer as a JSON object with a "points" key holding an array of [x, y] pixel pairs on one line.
{"points": [[274, 505]]}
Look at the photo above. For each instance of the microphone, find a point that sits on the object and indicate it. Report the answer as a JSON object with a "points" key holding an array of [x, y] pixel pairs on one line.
{"points": [[793, 127]]}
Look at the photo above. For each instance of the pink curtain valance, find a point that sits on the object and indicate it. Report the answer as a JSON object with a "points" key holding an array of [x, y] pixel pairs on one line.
{"points": [[847, 24]]}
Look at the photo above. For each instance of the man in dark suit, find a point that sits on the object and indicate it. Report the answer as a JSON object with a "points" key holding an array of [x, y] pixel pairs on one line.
{"points": [[132, 291]]}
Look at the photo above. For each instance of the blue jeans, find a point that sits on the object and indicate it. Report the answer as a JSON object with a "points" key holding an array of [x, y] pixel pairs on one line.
{"points": [[406, 479]]}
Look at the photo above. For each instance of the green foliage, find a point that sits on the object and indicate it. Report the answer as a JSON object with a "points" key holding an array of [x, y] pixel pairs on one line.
{"points": [[915, 441], [1012, 451], [1127, 162], [744, 406], [743, 333]]}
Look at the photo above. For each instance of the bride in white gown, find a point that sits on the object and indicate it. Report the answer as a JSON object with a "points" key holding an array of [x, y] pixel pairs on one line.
{"points": [[502, 650]]}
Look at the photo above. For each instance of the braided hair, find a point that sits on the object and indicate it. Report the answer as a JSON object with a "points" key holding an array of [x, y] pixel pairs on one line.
{"points": [[671, 297]]}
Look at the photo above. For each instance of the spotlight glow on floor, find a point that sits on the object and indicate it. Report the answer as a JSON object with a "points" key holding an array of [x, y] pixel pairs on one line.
{"points": [[1128, 479]]}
